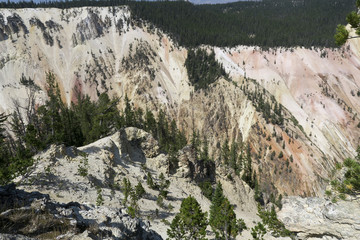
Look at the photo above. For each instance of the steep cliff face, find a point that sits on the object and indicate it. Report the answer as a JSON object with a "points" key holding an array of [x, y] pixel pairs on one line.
{"points": [[103, 49]]}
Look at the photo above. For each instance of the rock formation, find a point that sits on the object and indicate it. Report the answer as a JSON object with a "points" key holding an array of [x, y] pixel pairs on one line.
{"points": [[33, 215], [317, 218]]}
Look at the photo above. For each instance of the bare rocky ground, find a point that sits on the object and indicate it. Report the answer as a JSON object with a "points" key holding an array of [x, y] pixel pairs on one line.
{"points": [[132, 154], [33, 215]]}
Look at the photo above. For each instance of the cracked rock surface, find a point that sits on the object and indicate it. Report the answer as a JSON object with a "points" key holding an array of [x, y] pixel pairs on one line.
{"points": [[317, 218]]}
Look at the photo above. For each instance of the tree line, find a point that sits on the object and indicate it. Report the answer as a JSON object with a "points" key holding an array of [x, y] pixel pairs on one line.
{"points": [[267, 23]]}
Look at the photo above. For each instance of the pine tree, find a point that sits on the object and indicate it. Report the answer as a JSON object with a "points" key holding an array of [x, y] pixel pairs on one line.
{"points": [[205, 150], [150, 181], [216, 202], [150, 122], [139, 191], [177, 229], [190, 223], [247, 176], [129, 113], [222, 216], [163, 186], [127, 189], [225, 152]]}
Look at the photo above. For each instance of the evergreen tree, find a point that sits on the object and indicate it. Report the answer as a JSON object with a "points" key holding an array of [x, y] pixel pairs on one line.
{"points": [[233, 156], [195, 143], [129, 113], [163, 186], [127, 189], [205, 150], [190, 223], [177, 229], [342, 34], [150, 122], [248, 172], [139, 191], [225, 152], [150, 182], [222, 216]]}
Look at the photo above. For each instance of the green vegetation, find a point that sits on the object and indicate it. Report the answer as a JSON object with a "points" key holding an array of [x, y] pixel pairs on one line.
{"points": [[14, 157], [163, 186], [351, 182], [206, 189], [85, 121], [342, 34], [126, 189], [222, 216], [258, 232], [83, 168], [190, 223], [269, 218], [202, 68], [352, 175], [139, 190], [266, 23], [99, 199], [150, 181]]}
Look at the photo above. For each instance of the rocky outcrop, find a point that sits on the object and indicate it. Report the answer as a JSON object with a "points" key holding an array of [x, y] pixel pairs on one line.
{"points": [[317, 218], [3, 35], [90, 28], [135, 139], [32, 214], [14, 24], [94, 175], [191, 167]]}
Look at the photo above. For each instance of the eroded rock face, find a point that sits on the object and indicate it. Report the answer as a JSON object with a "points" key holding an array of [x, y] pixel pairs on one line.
{"points": [[317, 218], [3, 35], [15, 24], [195, 169], [135, 137], [90, 28], [36, 215]]}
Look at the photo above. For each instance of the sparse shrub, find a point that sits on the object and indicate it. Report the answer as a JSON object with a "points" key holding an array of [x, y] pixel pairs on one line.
{"points": [[342, 196], [139, 190], [160, 201], [338, 166], [150, 182], [206, 189], [99, 199], [258, 232], [131, 211], [328, 193], [83, 167], [163, 186], [126, 187]]}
